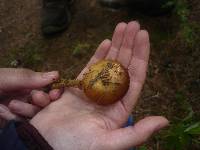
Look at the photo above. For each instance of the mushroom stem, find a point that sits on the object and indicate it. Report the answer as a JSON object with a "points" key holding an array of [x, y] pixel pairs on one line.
{"points": [[66, 83]]}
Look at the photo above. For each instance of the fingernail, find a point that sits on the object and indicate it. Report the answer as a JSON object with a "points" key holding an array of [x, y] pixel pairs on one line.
{"points": [[33, 92], [14, 105], [51, 75], [164, 123], [3, 109]]}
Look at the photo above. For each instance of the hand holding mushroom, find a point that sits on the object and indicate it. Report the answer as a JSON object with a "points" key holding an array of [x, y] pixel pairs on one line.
{"points": [[21, 96], [75, 123]]}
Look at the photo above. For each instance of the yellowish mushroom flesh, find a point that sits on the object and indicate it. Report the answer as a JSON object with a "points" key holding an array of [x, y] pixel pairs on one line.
{"points": [[106, 82]]}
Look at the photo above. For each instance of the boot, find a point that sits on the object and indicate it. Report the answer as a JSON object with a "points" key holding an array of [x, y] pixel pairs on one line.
{"points": [[149, 7], [56, 16]]}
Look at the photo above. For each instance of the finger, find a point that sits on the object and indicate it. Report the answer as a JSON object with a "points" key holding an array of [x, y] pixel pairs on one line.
{"points": [[137, 69], [6, 114], [126, 50], [17, 79], [117, 39], [100, 53], [23, 109], [40, 98], [55, 94], [134, 135]]}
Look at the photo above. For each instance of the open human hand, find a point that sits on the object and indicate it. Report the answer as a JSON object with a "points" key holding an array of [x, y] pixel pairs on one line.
{"points": [[20, 94], [74, 123]]}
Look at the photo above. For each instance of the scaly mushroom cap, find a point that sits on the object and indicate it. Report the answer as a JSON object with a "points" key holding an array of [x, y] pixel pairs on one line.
{"points": [[106, 82]]}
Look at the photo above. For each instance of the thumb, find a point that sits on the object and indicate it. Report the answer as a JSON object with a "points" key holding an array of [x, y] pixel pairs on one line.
{"points": [[16, 79], [132, 136]]}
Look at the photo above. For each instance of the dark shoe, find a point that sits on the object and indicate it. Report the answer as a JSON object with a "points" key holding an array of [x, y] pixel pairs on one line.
{"points": [[56, 16], [153, 7], [149, 7], [114, 4]]}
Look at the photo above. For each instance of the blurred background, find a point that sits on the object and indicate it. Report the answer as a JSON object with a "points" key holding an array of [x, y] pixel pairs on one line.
{"points": [[172, 88]]}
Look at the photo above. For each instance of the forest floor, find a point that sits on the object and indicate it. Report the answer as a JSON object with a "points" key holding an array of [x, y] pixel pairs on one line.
{"points": [[173, 79]]}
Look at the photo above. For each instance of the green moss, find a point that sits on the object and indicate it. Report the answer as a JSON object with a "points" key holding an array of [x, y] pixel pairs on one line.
{"points": [[81, 49], [29, 56]]}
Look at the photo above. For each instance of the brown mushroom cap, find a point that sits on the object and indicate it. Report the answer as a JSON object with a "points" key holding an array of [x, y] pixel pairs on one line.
{"points": [[106, 82]]}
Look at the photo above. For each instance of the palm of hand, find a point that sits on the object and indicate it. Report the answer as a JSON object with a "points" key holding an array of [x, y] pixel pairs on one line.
{"points": [[75, 123], [71, 115]]}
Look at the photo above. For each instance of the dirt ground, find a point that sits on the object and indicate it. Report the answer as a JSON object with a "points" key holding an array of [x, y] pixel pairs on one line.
{"points": [[173, 70]]}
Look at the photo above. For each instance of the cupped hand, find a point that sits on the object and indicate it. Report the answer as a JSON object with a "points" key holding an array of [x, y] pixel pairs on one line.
{"points": [[20, 93], [74, 123]]}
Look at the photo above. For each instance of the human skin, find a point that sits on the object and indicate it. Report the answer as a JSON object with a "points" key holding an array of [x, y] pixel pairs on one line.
{"points": [[74, 123], [21, 95]]}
